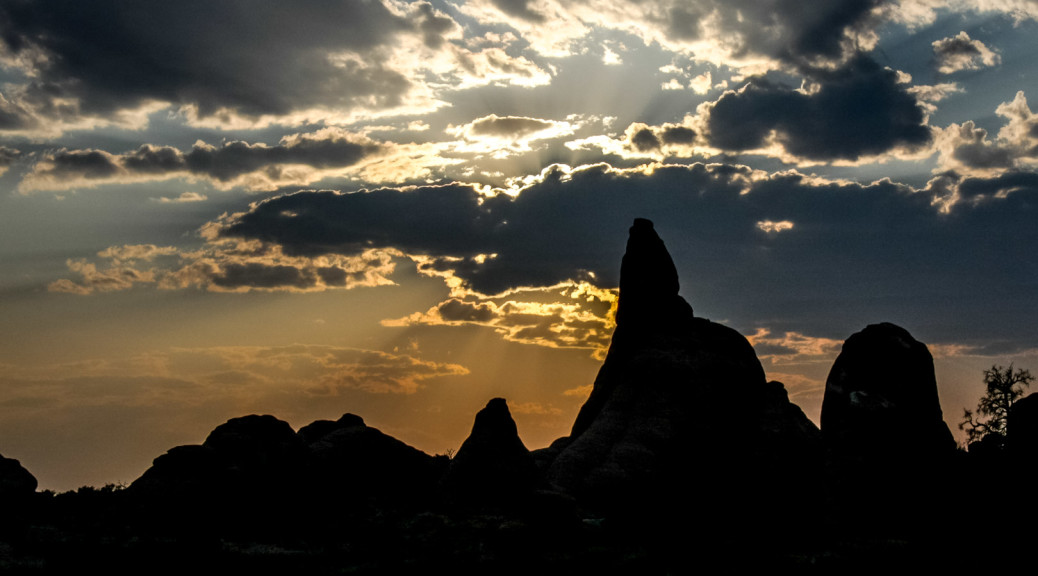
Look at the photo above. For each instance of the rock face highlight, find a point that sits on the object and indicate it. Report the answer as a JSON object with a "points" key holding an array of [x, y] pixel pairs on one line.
{"points": [[680, 413]]}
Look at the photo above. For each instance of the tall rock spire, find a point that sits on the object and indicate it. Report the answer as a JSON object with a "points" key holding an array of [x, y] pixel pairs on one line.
{"points": [[677, 394], [648, 279]]}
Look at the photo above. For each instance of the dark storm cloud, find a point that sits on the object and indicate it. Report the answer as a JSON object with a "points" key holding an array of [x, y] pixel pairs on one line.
{"points": [[1023, 184], [857, 110], [792, 31], [435, 220], [259, 57], [854, 254]]}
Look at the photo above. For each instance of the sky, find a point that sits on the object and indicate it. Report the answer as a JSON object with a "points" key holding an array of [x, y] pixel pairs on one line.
{"points": [[404, 209]]}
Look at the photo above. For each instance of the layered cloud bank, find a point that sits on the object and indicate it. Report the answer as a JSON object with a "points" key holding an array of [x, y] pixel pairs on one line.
{"points": [[813, 247]]}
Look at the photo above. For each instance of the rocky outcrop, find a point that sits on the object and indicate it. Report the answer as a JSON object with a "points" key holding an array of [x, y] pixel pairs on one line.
{"points": [[1022, 428], [680, 415], [242, 457], [16, 483], [352, 464], [881, 397], [257, 469], [887, 444], [493, 466]]}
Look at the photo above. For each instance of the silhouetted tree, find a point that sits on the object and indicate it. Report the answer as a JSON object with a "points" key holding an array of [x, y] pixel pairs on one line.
{"points": [[1004, 387]]}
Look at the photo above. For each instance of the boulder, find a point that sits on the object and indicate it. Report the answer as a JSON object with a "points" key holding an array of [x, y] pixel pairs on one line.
{"points": [[881, 398], [889, 453]]}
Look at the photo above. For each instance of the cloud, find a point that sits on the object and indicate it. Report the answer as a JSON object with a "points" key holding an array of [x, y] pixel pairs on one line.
{"points": [[319, 370], [852, 114], [226, 64], [8, 156], [298, 159], [771, 227], [960, 52], [502, 136], [793, 347], [640, 141], [224, 266], [492, 65], [535, 409], [113, 278], [568, 315], [702, 83], [184, 198], [930, 95], [520, 9], [737, 33], [858, 253], [966, 149], [187, 376], [856, 111]]}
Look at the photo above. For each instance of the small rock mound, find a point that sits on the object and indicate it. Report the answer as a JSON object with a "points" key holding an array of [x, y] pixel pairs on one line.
{"points": [[350, 463], [493, 466]]}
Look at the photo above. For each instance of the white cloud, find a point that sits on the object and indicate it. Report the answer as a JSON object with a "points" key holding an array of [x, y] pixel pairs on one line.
{"points": [[772, 227], [502, 136], [960, 52], [967, 149]]}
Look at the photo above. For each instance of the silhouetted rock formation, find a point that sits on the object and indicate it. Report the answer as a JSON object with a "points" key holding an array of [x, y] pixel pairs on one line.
{"points": [[649, 282], [256, 469], [886, 440], [881, 397], [681, 416], [1022, 428], [493, 466], [352, 464], [682, 456], [242, 456], [16, 483]]}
